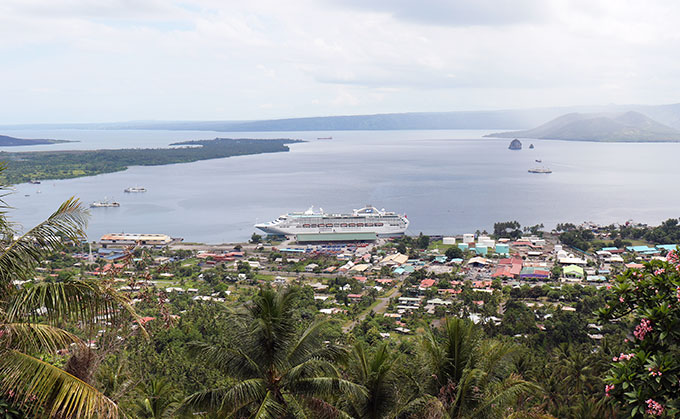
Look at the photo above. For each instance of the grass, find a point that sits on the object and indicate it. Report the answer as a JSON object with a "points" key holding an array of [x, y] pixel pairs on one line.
{"points": [[439, 245]]}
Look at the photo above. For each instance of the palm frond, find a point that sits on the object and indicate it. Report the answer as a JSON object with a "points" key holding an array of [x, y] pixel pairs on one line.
{"points": [[503, 394], [422, 407], [52, 388], [24, 253], [206, 400], [269, 408], [325, 386], [233, 361], [36, 337], [309, 343], [76, 299]]}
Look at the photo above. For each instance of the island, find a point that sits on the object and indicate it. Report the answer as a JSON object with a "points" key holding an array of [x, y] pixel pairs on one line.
{"points": [[40, 165], [7, 141], [620, 127], [515, 144]]}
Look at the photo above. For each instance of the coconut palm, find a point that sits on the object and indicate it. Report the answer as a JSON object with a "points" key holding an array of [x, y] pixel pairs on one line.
{"points": [[31, 316], [158, 400], [376, 372], [470, 376], [277, 369]]}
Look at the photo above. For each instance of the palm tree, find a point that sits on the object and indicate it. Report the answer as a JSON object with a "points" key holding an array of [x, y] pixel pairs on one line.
{"points": [[276, 370], [31, 316], [377, 374], [470, 376], [158, 400]]}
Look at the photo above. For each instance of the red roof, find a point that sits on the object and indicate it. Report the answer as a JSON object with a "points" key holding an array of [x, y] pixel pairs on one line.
{"points": [[145, 320], [384, 280], [427, 283], [360, 278]]}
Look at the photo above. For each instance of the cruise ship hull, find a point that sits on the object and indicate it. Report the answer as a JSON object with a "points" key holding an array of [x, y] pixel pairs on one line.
{"points": [[365, 220]]}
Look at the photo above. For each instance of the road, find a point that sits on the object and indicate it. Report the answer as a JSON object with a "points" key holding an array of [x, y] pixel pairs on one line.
{"points": [[379, 308]]}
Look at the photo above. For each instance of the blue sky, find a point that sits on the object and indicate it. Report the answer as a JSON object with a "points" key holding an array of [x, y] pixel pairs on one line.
{"points": [[115, 60]]}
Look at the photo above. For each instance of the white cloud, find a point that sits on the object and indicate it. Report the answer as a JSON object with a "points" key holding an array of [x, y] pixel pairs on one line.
{"points": [[86, 60]]}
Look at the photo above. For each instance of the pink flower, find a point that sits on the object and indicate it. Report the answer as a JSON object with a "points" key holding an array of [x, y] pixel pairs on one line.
{"points": [[654, 408], [621, 299], [607, 389], [642, 329], [623, 357]]}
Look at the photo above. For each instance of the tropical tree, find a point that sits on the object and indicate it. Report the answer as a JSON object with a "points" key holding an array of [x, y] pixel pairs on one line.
{"points": [[376, 373], [643, 379], [158, 400], [471, 376], [277, 369], [32, 316]]}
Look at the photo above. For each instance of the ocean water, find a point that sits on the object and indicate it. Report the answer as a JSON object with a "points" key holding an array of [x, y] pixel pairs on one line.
{"points": [[446, 181]]}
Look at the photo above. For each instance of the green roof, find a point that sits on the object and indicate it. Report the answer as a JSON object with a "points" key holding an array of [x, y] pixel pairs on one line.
{"points": [[573, 269], [336, 237]]}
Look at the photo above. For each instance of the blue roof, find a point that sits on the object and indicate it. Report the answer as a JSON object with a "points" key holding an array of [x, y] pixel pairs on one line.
{"points": [[640, 248], [667, 246], [609, 249]]}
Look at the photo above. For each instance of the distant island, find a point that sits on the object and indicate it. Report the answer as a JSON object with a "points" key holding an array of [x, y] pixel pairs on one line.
{"points": [[624, 127], [7, 141], [40, 165], [515, 144]]}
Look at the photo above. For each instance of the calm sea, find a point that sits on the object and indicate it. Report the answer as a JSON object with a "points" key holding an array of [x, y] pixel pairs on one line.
{"points": [[446, 181]]}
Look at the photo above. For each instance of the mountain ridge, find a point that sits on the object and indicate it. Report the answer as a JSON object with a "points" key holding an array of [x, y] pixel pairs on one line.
{"points": [[628, 126]]}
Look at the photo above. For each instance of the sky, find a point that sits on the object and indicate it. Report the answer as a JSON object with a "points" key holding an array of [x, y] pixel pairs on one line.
{"points": [[121, 60]]}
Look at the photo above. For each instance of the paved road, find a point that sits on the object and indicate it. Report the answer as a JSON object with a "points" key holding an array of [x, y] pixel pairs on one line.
{"points": [[379, 308]]}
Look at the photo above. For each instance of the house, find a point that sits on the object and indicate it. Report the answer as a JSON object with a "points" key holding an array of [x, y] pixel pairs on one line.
{"points": [[310, 267], [573, 271], [425, 284]]}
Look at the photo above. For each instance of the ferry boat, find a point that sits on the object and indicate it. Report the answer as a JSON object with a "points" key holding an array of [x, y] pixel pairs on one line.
{"points": [[104, 204], [540, 170], [134, 189], [365, 220]]}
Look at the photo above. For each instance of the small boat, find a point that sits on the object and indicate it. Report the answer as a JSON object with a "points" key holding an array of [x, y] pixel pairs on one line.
{"points": [[104, 204], [134, 189], [539, 161], [531, 146], [324, 138], [34, 181], [540, 170]]}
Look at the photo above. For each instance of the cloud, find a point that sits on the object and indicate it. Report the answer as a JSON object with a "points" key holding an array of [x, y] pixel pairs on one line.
{"points": [[89, 60], [457, 12]]}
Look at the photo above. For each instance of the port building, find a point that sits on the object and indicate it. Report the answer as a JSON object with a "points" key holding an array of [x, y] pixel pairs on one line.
{"points": [[129, 239]]}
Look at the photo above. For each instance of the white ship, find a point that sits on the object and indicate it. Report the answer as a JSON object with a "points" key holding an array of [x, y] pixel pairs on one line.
{"points": [[104, 204], [540, 170], [365, 220], [135, 189]]}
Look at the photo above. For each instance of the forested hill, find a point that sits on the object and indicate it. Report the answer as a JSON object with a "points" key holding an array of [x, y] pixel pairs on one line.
{"points": [[24, 166], [7, 141]]}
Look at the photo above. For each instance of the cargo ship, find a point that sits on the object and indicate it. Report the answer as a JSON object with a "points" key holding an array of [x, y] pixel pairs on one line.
{"points": [[367, 220]]}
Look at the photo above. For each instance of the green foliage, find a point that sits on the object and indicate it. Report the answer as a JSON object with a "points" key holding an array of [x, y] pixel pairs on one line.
{"points": [[511, 229], [24, 166], [577, 238], [647, 300], [454, 252]]}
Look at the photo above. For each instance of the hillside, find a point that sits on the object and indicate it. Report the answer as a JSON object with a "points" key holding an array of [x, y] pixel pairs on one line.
{"points": [[7, 141], [623, 127]]}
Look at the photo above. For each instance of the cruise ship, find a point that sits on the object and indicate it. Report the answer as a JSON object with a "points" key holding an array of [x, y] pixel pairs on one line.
{"points": [[365, 220]]}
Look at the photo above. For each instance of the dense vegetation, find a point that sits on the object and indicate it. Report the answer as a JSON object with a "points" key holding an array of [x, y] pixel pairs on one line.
{"points": [[7, 141], [24, 166], [71, 345]]}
